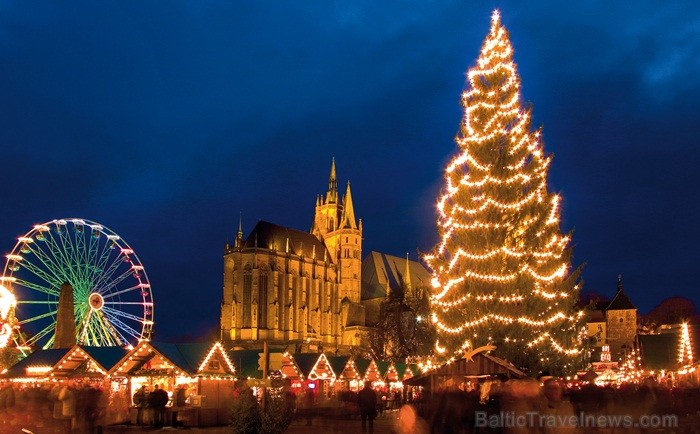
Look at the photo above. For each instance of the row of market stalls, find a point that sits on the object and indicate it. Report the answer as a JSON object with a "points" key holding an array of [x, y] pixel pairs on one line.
{"points": [[203, 373]]}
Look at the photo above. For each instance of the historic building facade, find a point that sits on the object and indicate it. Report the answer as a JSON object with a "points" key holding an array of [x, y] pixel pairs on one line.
{"points": [[288, 286], [613, 325]]}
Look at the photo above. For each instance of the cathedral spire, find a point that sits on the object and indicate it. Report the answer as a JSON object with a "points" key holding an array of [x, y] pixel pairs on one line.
{"points": [[348, 220], [332, 195], [239, 235], [407, 274]]}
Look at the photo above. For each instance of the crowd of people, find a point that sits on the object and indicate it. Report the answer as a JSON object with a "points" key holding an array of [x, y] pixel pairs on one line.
{"points": [[553, 406], [78, 407]]}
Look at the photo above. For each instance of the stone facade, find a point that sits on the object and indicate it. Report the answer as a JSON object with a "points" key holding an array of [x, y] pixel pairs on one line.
{"points": [[614, 324], [292, 287]]}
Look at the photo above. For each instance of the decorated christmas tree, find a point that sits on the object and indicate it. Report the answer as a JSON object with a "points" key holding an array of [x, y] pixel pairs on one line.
{"points": [[501, 270]]}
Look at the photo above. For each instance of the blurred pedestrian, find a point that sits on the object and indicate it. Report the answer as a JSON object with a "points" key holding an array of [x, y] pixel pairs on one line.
{"points": [[559, 413], [408, 421], [367, 401], [158, 400], [309, 398], [140, 401], [7, 403]]}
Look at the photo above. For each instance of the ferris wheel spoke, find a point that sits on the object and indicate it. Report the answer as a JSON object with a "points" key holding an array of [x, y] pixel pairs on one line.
{"points": [[52, 266], [110, 333], [100, 266], [84, 326], [58, 252], [100, 333], [124, 314], [36, 302], [79, 251], [113, 284], [34, 339], [70, 251], [38, 272], [107, 275], [125, 303], [122, 326], [38, 317], [89, 254], [36, 287], [120, 292]]}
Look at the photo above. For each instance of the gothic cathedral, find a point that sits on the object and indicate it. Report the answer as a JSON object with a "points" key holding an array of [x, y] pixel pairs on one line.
{"points": [[293, 287]]}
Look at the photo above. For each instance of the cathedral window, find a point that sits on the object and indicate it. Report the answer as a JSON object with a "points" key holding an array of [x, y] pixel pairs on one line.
{"points": [[247, 296], [262, 301]]}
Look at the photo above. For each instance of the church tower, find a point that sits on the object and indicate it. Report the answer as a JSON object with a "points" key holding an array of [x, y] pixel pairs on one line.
{"points": [[335, 224], [621, 323], [328, 209]]}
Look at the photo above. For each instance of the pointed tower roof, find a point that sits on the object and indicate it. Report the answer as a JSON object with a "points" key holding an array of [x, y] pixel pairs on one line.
{"points": [[348, 220], [621, 301], [407, 274], [332, 195]]}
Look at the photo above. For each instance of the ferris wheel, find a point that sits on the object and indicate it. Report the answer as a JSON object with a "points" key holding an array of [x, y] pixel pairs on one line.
{"points": [[113, 303]]}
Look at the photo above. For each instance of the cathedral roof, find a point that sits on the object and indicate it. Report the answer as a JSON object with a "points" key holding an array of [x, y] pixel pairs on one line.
{"points": [[266, 235], [380, 271]]}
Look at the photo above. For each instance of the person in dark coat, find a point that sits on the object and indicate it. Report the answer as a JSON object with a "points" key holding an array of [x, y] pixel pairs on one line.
{"points": [[367, 401], [158, 400], [140, 401]]}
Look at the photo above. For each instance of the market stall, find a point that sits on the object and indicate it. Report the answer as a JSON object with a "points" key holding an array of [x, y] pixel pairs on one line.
{"points": [[318, 373], [198, 378], [81, 371]]}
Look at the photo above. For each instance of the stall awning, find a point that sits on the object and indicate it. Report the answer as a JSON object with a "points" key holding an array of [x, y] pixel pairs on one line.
{"points": [[162, 359], [481, 365], [37, 364]]}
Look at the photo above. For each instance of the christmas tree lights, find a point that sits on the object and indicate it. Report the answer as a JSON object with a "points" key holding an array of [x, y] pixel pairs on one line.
{"points": [[7, 307], [685, 352], [501, 270]]}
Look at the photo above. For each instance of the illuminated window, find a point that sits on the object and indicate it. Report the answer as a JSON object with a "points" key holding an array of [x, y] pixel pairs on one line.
{"points": [[262, 300], [247, 296]]}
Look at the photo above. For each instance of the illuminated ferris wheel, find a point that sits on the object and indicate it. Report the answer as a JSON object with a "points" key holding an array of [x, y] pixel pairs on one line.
{"points": [[112, 299]]}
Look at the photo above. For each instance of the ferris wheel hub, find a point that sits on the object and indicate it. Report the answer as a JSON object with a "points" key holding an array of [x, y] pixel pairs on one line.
{"points": [[96, 301]]}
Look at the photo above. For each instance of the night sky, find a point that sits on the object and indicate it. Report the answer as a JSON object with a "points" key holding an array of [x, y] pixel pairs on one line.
{"points": [[164, 120]]}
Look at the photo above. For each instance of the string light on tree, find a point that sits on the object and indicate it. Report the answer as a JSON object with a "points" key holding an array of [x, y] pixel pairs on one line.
{"points": [[7, 307], [685, 352], [501, 270]]}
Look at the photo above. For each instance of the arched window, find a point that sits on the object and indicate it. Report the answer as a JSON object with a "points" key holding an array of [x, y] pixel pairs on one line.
{"points": [[262, 300], [247, 295]]}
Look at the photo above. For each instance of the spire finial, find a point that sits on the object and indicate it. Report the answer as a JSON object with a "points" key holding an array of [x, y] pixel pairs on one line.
{"points": [[332, 196], [239, 236], [619, 282]]}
